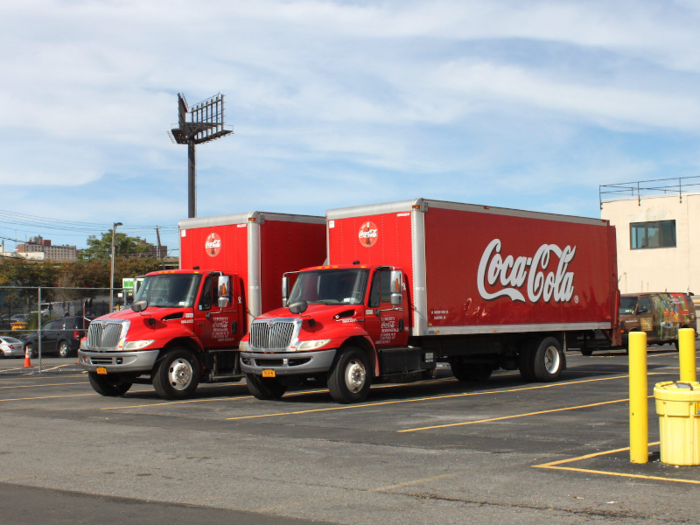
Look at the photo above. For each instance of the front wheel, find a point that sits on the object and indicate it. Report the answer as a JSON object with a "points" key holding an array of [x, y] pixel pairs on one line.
{"points": [[110, 385], [350, 379], [177, 375], [265, 388]]}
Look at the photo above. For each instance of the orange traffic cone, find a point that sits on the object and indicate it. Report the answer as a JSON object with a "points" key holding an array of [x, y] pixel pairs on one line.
{"points": [[27, 361]]}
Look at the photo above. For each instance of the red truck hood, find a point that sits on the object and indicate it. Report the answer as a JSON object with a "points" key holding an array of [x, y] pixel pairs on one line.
{"points": [[160, 314], [320, 312]]}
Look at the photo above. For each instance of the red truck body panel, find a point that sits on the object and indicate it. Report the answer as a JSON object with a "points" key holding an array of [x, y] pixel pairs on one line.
{"points": [[258, 246], [476, 269]]}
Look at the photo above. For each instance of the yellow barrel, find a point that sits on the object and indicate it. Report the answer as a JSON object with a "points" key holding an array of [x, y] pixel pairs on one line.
{"points": [[678, 408]]}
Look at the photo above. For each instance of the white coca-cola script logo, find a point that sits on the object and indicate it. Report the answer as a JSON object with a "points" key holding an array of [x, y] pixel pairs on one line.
{"points": [[513, 273]]}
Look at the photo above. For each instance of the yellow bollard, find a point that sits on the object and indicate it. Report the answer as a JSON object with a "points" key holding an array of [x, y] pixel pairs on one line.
{"points": [[686, 354], [639, 406]]}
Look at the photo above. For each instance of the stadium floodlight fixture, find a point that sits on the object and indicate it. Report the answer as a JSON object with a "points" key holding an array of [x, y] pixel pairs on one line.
{"points": [[205, 123]]}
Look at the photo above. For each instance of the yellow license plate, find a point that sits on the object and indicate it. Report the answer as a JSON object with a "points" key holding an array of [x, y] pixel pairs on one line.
{"points": [[269, 373], [101, 370]]}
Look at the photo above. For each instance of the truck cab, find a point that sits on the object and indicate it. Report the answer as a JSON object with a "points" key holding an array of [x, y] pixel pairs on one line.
{"points": [[347, 324], [178, 332]]}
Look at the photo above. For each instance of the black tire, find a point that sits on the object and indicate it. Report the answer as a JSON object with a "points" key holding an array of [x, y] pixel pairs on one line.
{"points": [[109, 385], [586, 351], [470, 372], [30, 350], [542, 360], [177, 374], [265, 388], [64, 349], [548, 360], [350, 378]]}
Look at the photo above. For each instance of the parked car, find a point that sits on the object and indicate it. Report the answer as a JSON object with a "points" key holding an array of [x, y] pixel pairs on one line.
{"points": [[11, 347], [659, 315], [60, 336]]}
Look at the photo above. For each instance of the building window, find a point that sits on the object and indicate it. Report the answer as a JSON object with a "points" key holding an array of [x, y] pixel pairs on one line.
{"points": [[657, 234]]}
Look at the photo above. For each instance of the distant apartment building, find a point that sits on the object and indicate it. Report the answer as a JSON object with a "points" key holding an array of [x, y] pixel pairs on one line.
{"points": [[658, 233], [38, 244]]}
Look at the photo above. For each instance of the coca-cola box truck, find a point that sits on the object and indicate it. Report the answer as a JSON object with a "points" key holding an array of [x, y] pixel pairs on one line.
{"points": [[185, 325], [412, 283]]}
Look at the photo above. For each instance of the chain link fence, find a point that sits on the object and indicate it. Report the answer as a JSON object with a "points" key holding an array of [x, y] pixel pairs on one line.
{"points": [[41, 328]]}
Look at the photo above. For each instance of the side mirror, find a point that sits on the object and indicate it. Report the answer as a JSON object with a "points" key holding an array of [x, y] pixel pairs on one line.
{"points": [[395, 288], [224, 290], [285, 290], [139, 306], [298, 308], [223, 302]]}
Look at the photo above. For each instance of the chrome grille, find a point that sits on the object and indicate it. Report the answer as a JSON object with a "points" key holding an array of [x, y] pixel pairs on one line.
{"points": [[104, 335], [276, 336]]}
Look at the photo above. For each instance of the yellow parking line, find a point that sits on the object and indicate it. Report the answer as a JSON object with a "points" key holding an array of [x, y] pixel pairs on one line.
{"points": [[421, 399], [182, 402], [555, 465], [44, 397], [514, 416], [42, 386], [290, 394]]}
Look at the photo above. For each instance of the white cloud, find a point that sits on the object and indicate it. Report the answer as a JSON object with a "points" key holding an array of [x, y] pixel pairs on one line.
{"points": [[409, 97]]}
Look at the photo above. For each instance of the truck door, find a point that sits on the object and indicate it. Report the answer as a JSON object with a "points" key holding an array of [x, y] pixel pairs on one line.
{"points": [[386, 324], [217, 327]]}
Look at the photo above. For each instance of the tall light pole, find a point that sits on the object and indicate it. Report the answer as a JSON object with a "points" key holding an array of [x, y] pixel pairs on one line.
{"points": [[111, 277], [206, 124]]}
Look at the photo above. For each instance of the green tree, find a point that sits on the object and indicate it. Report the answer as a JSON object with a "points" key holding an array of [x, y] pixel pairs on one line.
{"points": [[124, 246]]}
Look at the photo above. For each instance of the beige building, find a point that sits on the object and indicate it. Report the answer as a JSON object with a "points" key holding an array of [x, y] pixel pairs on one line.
{"points": [[658, 234]]}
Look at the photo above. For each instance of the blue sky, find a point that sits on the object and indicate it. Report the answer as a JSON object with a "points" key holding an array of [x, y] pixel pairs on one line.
{"points": [[528, 105]]}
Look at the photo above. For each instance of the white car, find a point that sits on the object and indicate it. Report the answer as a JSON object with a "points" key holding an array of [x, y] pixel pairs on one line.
{"points": [[11, 347]]}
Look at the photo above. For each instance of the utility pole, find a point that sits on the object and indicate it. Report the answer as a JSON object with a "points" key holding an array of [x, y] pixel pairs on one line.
{"points": [[160, 250]]}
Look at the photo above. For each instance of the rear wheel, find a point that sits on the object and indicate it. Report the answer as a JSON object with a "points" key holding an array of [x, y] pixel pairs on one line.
{"points": [[543, 360], [109, 385], [350, 379], [64, 349], [177, 375], [265, 388], [30, 350]]}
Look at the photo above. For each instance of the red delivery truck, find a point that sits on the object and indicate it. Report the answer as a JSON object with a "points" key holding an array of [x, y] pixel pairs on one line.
{"points": [[185, 325], [412, 283]]}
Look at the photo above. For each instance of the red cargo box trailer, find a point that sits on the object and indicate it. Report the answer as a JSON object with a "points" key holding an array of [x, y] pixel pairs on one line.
{"points": [[412, 283], [185, 325]]}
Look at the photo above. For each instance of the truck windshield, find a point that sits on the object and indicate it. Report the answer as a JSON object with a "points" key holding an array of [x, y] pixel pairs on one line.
{"points": [[331, 287], [627, 305], [169, 290]]}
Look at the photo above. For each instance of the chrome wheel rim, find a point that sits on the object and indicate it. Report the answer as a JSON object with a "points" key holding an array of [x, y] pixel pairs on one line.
{"points": [[355, 376], [180, 374], [551, 360]]}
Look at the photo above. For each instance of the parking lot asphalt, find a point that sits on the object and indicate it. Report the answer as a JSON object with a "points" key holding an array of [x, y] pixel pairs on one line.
{"points": [[437, 451]]}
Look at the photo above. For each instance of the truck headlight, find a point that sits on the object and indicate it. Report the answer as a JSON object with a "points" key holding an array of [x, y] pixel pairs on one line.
{"points": [[312, 345], [243, 346], [138, 345]]}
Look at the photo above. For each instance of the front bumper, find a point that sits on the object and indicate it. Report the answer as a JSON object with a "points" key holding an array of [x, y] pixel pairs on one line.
{"points": [[288, 363], [116, 362]]}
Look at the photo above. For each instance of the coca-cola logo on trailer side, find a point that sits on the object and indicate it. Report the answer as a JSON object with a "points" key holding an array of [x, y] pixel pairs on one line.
{"points": [[538, 276], [368, 234], [213, 245]]}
